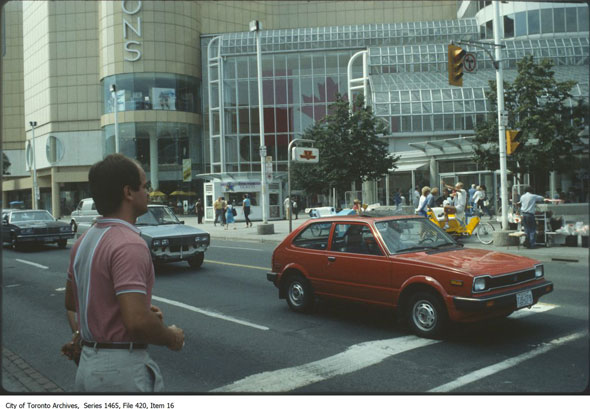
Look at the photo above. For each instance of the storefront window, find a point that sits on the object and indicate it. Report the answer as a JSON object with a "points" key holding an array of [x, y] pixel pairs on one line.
{"points": [[151, 91]]}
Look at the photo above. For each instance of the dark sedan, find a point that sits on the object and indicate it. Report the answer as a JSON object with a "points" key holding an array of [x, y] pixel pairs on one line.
{"points": [[169, 239], [21, 227]]}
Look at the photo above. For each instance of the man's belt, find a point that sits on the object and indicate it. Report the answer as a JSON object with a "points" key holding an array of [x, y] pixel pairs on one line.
{"points": [[110, 345]]}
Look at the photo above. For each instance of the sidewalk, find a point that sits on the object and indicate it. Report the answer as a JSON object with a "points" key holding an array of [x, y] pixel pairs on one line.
{"points": [[281, 230]]}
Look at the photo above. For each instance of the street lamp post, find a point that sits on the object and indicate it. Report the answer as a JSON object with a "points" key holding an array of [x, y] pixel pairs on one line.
{"points": [[255, 26], [114, 94], [34, 160]]}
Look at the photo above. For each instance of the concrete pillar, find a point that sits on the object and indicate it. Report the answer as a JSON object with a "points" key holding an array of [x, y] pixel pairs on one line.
{"points": [[433, 173], [155, 181]]}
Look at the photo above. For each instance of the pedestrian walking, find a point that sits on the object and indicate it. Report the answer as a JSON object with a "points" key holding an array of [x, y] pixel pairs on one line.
{"points": [[246, 206], [109, 288], [230, 213], [295, 209], [200, 211], [224, 210]]}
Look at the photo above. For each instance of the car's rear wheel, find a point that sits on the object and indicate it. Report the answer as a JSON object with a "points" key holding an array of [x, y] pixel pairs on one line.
{"points": [[62, 244], [197, 260], [299, 293], [426, 314]]}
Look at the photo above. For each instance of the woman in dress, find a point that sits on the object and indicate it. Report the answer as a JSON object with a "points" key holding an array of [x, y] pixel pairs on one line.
{"points": [[229, 215]]}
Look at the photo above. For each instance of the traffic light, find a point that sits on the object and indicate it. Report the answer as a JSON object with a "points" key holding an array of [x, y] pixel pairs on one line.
{"points": [[456, 57], [512, 141]]}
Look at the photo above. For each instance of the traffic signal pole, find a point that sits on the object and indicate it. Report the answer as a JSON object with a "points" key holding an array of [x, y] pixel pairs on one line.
{"points": [[502, 116]]}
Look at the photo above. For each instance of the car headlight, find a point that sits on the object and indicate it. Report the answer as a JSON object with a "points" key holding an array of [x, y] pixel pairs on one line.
{"points": [[539, 271], [156, 243], [65, 228], [26, 231], [165, 242], [479, 284]]}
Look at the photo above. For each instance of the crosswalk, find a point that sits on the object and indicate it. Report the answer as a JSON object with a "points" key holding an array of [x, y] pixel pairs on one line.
{"points": [[370, 353]]}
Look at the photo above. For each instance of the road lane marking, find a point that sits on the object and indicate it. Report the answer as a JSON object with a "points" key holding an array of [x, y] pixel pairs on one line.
{"points": [[210, 313], [355, 358], [32, 264], [539, 307], [506, 364], [237, 265]]}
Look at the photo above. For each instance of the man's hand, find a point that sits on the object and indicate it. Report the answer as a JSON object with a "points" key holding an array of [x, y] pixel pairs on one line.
{"points": [[178, 338], [158, 312]]}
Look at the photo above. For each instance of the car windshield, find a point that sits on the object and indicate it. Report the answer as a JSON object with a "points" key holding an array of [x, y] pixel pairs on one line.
{"points": [[37, 215], [157, 215], [403, 235]]}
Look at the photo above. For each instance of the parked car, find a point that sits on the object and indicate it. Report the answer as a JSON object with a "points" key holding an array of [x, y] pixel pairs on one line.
{"points": [[21, 227], [169, 239], [85, 214], [403, 262]]}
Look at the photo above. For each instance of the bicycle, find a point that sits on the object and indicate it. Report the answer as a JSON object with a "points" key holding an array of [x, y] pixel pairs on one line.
{"points": [[484, 231]]}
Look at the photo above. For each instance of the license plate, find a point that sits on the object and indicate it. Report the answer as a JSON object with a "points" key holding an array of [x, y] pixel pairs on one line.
{"points": [[524, 299]]}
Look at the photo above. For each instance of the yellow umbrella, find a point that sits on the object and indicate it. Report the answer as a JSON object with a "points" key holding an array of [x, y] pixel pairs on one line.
{"points": [[190, 193], [157, 193], [178, 193]]}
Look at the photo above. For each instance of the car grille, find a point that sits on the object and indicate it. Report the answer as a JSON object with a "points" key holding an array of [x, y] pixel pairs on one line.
{"points": [[177, 243], [510, 279], [45, 230]]}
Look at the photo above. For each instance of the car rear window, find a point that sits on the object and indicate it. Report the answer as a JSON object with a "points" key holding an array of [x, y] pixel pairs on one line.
{"points": [[315, 236]]}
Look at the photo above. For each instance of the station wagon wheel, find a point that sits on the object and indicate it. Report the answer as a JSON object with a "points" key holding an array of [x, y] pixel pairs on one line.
{"points": [[485, 232], [197, 260], [426, 315], [299, 293]]}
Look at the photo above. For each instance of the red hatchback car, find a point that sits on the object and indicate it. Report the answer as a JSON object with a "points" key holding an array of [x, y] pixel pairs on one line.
{"points": [[405, 262]]}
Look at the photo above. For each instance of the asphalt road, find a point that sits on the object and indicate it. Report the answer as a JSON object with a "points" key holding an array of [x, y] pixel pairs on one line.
{"points": [[241, 338]]}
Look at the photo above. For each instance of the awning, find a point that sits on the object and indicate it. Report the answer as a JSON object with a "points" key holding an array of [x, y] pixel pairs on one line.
{"points": [[407, 167]]}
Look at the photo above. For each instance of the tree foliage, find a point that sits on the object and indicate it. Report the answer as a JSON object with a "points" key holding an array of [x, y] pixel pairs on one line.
{"points": [[350, 149], [542, 108], [5, 164]]}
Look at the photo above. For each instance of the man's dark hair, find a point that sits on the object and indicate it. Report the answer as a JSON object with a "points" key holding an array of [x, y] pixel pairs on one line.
{"points": [[108, 178]]}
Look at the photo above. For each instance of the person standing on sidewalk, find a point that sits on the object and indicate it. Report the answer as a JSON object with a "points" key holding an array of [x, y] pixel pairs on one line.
{"points": [[218, 207], [109, 288], [200, 211], [527, 210], [246, 206], [230, 212]]}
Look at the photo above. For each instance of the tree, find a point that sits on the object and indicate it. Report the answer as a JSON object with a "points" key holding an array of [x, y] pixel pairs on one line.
{"points": [[542, 108], [350, 149]]}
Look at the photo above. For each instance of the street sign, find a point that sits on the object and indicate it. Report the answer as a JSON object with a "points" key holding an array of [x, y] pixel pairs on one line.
{"points": [[305, 155], [470, 62]]}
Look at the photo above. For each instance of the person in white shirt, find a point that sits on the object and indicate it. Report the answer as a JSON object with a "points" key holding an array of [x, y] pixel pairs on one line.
{"points": [[478, 198], [460, 201], [527, 203]]}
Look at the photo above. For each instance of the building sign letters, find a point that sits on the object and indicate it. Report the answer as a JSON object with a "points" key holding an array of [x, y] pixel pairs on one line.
{"points": [[127, 26]]}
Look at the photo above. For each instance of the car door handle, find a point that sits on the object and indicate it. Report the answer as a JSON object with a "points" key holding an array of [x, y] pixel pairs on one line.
{"points": [[331, 258]]}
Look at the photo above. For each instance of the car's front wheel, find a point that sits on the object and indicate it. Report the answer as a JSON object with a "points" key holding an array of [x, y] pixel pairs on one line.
{"points": [[299, 293], [426, 314], [196, 260]]}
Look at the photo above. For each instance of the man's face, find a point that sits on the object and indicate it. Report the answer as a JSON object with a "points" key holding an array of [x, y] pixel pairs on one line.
{"points": [[140, 196]]}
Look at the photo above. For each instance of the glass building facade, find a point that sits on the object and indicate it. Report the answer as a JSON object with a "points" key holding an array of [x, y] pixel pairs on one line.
{"points": [[304, 69]]}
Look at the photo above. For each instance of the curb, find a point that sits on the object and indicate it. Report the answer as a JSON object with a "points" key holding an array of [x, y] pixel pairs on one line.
{"points": [[18, 376]]}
